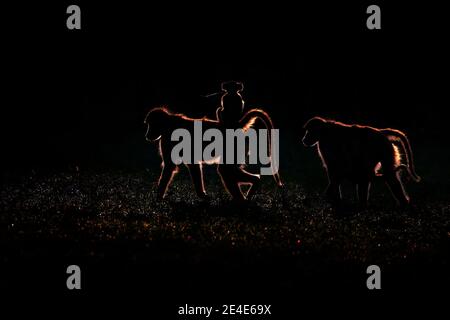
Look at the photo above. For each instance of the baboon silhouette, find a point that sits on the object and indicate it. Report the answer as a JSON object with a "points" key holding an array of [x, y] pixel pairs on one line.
{"points": [[359, 154], [160, 125], [231, 104]]}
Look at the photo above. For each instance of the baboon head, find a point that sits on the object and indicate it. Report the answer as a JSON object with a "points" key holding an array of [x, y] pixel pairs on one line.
{"points": [[232, 86], [313, 129], [156, 121], [232, 94]]}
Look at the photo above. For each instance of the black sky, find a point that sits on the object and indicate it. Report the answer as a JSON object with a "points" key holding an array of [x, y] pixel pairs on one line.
{"points": [[68, 95]]}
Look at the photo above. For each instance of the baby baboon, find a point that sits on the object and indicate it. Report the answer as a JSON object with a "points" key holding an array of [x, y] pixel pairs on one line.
{"points": [[229, 115], [231, 104], [358, 153]]}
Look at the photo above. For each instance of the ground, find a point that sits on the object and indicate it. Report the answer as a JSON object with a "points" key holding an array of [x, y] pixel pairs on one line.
{"points": [[278, 241]]}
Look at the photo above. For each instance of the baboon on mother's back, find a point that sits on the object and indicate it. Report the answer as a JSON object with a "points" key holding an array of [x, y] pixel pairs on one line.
{"points": [[359, 154]]}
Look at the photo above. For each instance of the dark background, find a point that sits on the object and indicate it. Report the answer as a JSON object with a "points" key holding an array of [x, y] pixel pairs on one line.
{"points": [[77, 99]]}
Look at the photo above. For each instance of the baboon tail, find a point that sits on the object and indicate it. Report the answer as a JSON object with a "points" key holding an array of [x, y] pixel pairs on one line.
{"points": [[247, 120], [407, 149]]}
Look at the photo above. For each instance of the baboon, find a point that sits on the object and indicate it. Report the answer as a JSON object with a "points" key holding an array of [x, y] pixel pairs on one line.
{"points": [[229, 114], [160, 125], [231, 104], [359, 154]]}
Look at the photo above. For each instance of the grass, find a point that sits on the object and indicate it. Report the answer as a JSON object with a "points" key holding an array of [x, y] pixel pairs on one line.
{"points": [[122, 207], [290, 239]]}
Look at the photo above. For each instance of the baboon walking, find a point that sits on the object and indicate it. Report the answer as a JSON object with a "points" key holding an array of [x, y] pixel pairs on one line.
{"points": [[360, 153]]}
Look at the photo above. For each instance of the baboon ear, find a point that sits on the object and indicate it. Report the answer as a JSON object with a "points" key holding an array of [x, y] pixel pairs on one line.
{"points": [[223, 85]]}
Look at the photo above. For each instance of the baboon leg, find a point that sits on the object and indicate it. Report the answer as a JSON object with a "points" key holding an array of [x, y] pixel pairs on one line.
{"points": [[333, 192], [197, 179], [363, 188], [396, 186], [167, 173], [254, 179], [231, 181], [393, 178]]}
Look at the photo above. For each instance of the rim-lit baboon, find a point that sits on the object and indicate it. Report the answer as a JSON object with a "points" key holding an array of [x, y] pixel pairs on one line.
{"points": [[231, 104], [160, 125], [360, 153], [229, 115]]}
